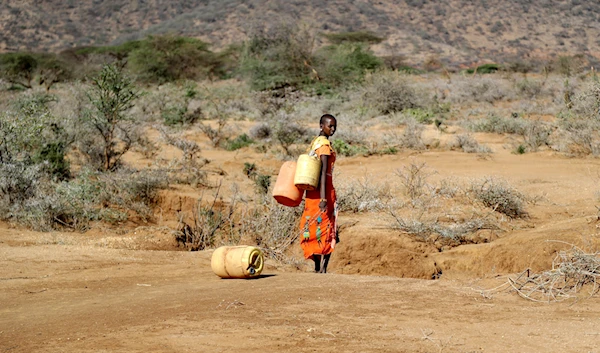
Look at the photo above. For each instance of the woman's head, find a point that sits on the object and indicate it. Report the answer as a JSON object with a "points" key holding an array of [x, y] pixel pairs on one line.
{"points": [[328, 125]]}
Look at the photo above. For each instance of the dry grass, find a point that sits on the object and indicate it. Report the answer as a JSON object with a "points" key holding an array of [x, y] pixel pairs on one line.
{"points": [[498, 195], [572, 270], [468, 144], [363, 195]]}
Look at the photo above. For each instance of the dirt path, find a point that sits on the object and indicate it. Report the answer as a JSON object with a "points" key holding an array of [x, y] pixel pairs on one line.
{"points": [[103, 293], [64, 297]]}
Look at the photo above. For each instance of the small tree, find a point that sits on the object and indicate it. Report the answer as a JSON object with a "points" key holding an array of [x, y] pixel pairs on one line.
{"points": [[279, 56], [18, 68], [168, 58], [52, 70], [112, 95]]}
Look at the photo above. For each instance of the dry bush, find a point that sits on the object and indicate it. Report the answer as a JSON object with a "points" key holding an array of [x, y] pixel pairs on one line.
{"points": [[500, 196], [411, 137], [362, 195], [468, 144], [449, 188], [265, 223], [92, 196], [390, 92], [579, 126], [189, 169], [488, 89], [215, 135], [496, 124], [289, 134], [578, 137], [537, 134], [432, 220], [586, 103], [261, 131], [572, 270], [442, 234], [413, 178], [228, 99], [529, 89], [134, 190], [207, 221], [272, 227]]}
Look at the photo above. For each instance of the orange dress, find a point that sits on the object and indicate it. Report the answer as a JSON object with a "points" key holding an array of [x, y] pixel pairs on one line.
{"points": [[317, 228]]}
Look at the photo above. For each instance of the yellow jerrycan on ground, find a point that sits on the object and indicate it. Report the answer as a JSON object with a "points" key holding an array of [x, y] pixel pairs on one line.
{"points": [[237, 262]]}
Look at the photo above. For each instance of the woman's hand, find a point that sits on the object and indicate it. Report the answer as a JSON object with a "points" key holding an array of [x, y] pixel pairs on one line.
{"points": [[323, 205]]}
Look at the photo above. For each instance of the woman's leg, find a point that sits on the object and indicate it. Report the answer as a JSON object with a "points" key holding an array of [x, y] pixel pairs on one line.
{"points": [[324, 262], [317, 259]]}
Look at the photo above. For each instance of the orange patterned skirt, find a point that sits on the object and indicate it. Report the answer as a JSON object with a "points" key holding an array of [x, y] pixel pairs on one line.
{"points": [[317, 228]]}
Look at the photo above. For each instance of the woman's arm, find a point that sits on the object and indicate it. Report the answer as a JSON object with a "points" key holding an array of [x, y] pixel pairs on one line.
{"points": [[323, 184]]}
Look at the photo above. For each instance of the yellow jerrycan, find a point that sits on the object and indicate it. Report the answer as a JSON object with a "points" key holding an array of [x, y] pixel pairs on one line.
{"points": [[308, 172], [237, 261]]}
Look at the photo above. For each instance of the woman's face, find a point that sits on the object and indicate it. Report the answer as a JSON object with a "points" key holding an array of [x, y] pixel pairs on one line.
{"points": [[328, 127]]}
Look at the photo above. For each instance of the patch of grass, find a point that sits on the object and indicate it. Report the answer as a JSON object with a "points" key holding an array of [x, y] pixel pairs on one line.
{"points": [[499, 125], [250, 170], [484, 69], [353, 37], [344, 149], [469, 145], [239, 142], [262, 183], [411, 137]]}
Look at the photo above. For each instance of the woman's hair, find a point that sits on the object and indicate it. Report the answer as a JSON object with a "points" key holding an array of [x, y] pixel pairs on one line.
{"points": [[326, 117]]}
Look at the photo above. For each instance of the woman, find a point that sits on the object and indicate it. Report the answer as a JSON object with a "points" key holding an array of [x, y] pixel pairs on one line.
{"points": [[318, 223]]}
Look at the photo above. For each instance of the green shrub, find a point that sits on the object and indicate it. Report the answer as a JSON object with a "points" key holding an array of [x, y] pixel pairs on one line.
{"points": [[112, 95], [29, 134], [120, 51], [53, 153], [485, 69], [283, 56], [423, 116], [178, 115], [250, 170], [343, 64], [238, 142], [168, 58], [53, 69], [18, 68], [277, 57], [499, 125], [344, 149], [262, 183], [353, 37]]}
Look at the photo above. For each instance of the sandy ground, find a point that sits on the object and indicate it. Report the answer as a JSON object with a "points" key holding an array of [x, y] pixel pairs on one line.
{"points": [[104, 291], [73, 298]]}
